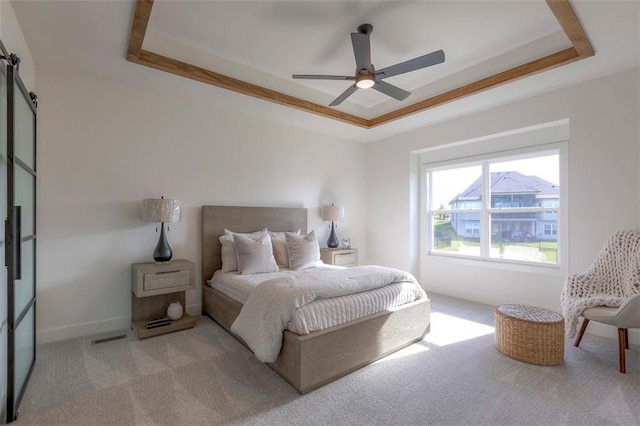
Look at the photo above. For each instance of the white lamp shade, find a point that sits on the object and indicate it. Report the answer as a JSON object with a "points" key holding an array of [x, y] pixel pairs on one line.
{"points": [[161, 210], [332, 213]]}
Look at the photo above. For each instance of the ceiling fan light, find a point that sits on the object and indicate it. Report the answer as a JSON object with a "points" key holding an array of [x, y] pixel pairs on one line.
{"points": [[365, 82]]}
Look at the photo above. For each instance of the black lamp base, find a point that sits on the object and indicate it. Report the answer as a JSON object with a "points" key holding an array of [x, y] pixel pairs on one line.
{"points": [[163, 252], [333, 242]]}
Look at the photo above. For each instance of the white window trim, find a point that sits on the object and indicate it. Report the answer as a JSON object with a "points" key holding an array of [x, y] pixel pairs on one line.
{"points": [[425, 227]]}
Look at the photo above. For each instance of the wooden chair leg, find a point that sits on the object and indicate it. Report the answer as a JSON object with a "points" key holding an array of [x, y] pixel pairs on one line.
{"points": [[581, 333], [626, 337], [622, 343]]}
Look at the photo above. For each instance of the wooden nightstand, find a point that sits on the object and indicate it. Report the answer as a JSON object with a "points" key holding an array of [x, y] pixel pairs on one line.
{"points": [[339, 257], [153, 287]]}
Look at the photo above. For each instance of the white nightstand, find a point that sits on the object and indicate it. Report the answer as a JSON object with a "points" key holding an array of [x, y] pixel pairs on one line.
{"points": [[339, 257], [153, 287]]}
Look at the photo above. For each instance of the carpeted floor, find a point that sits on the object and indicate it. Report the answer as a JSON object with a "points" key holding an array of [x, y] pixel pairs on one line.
{"points": [[455, 376]]}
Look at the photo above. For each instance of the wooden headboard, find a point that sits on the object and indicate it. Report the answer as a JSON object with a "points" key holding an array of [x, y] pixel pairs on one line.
{"points": [[242, 219]]}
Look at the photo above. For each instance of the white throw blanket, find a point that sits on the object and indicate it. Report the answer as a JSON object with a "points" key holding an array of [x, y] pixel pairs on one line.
{"points": [[613, 278], [271, 304]]}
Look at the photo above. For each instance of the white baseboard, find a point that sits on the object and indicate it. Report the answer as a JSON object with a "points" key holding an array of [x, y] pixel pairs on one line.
{"points": [[194, 310], [474, 296], [597, 329], [82, 330], [96, 327]]}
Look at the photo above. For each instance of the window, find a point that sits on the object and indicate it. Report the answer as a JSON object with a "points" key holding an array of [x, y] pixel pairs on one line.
{"points": [[472, 228], [496, 208], [550, 229]]}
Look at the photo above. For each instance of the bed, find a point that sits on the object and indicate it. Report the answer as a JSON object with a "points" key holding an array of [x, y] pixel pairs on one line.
{"points": [[312, 360]]}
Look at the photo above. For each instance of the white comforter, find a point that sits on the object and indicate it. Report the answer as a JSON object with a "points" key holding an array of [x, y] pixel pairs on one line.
{"points": [[272, 303]]}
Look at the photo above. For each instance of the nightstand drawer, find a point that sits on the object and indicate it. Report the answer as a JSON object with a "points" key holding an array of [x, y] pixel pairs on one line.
{"points": [[152, 279], [167, 279], [339, 257], [345, 259]]}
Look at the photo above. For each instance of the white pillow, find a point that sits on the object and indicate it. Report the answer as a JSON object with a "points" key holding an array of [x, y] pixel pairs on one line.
{"points": [[279, 243], [255, 255], [304, 252], [228, 253]]}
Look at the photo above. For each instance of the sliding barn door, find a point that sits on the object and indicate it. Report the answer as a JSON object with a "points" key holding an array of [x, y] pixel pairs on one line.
{"points": [[20, 237], [4, 291]]}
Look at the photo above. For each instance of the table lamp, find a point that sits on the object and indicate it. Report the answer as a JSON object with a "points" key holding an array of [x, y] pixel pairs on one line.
{"points": [[332, 213], [164, 211]]}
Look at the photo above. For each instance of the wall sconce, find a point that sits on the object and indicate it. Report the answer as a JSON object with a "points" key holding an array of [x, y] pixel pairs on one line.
{"points": [[332, 213], [164, 211]]}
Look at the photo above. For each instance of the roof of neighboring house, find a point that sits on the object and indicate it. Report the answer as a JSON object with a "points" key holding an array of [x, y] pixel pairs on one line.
{"points": [[511, 183]]}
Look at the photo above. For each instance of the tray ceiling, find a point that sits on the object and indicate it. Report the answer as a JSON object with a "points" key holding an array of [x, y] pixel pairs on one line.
{"points": [[254, 47]]}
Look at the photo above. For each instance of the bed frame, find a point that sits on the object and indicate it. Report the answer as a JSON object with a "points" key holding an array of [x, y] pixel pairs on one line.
{"points": [[313, 360]]}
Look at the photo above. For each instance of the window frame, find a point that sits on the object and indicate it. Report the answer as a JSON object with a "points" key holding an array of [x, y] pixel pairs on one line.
{"points": [[427, 236]]}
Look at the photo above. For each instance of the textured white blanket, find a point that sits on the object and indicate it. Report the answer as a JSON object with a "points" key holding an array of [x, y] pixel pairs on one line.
{"points": [[271, 304], [613, 278]]}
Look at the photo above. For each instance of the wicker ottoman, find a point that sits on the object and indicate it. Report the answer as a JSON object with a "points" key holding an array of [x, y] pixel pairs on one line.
{"points": [[530, 334]]}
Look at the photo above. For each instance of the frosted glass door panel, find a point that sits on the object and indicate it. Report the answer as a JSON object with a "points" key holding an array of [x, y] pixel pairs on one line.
{"points": [[24, 136], [24, 286], [24, 197], [3, 274], [24, 351], [19, 198]]}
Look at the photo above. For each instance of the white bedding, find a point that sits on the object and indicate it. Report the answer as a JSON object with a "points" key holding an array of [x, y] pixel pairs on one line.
{"points": [[321, 313], [270, 306], [239, 287]]}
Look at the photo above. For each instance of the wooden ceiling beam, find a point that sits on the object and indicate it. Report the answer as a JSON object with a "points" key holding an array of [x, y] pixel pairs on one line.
{"points": [[139, 24], [561, 9], [543, 64], [203, 75], [573, 29]]}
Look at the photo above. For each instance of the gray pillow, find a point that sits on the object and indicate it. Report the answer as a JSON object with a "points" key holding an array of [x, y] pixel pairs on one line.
{"points": [[304, 252], [279, 243], [228, 253], [255, 255]]}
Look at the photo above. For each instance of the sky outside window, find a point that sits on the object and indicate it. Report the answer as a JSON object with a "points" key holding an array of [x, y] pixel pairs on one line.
{"points": [[447, 184]]}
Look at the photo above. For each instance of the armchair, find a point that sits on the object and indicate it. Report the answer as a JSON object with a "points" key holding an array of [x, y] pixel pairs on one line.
{"points": [[608, 292], [623, 318]]}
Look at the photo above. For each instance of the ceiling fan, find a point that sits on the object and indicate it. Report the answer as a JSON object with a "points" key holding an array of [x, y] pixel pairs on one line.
{"points": [[366, 76]]}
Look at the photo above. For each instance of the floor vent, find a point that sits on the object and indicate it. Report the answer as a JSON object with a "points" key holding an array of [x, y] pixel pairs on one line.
{"points": [[109, 339]]}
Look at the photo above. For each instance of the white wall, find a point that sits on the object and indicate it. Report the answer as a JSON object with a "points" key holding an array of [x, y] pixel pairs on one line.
{"points": [[103, 147], [603, 187], [14, 41]]}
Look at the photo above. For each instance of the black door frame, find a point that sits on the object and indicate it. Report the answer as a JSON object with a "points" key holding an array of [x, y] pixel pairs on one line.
{"points": [[13, 237]]}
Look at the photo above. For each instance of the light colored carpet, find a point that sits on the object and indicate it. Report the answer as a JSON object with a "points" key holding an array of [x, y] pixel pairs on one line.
{"points": [[454, 376]]}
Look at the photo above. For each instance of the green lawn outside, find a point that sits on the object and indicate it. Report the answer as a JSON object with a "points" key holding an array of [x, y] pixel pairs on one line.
{"points": [[444, 233]]}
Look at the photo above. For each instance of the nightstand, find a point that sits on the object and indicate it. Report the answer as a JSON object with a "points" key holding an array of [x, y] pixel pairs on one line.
{"points": [[153, 287], [339, 257]]}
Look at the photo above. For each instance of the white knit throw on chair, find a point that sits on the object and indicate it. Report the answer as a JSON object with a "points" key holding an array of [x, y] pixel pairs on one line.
{"points": [[613, 278]]}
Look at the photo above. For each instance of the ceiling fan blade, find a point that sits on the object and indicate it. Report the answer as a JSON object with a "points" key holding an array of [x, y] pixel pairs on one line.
{"points": [[344, 95], [323, 77], [427, 60], [391, 90], [361, 50]]}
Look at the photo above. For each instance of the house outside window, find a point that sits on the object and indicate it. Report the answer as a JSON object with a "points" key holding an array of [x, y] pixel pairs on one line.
{"points": [[472, 228], [502, 208], [550, 229]]}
